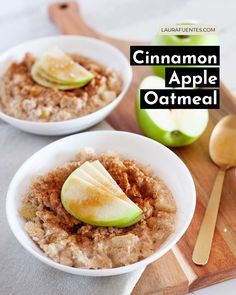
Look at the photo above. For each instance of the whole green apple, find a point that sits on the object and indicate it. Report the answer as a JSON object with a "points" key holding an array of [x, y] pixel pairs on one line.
{"points": [[175, 127], [181, 40]]}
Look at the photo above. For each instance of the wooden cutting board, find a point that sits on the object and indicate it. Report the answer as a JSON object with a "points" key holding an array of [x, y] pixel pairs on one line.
{"points": [[175, 273]]}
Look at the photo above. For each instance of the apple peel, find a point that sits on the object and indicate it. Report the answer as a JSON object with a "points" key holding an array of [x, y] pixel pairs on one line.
{"points": [[92, 197], [54, 69]]}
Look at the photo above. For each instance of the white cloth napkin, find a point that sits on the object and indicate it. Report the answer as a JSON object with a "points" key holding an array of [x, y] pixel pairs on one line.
{"points": [[20, 272]]}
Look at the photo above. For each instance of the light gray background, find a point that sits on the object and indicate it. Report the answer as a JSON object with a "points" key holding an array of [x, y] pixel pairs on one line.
{"points": [[21, 20]]}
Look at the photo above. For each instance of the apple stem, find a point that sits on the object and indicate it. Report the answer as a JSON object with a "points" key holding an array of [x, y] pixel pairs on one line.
{"points": [[183, 36], [175, 132]]}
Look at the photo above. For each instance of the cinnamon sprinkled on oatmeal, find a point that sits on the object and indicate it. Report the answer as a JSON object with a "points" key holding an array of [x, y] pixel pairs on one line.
{"points": [[71, 242], [22, 98]]}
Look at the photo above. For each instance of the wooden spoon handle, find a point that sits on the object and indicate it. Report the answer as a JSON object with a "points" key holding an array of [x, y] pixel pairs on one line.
{"points": [[202, 247]]}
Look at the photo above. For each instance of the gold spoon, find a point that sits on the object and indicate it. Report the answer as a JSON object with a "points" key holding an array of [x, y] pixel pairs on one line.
{"points": [[222, 149]]}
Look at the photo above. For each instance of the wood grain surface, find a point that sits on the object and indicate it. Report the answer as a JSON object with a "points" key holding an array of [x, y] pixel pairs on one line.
{"points": [[175, 273]]}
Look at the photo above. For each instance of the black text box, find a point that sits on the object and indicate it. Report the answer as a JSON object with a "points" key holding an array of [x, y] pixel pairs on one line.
{"points": [[195, 99], [193, 72], [153, 50]]}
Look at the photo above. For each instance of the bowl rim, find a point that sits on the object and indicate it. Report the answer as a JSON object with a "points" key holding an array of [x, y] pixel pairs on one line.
{"points": [[112, 271], [125, 86]]}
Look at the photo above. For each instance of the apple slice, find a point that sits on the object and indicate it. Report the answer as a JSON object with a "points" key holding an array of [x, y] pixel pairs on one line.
{"points": [[60, 68], [176, 127], [104, 178], [98, 165], [54, 69], [102, 185], [91, 205], [46, 83]]}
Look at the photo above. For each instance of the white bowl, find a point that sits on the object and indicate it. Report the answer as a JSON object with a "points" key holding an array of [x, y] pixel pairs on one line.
{"points": [[99, 51], [163, 161]]}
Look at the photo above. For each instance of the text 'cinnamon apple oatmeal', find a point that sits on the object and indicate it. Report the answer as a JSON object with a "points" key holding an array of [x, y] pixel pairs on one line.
{"points": [[40, 91], [69, 241]]}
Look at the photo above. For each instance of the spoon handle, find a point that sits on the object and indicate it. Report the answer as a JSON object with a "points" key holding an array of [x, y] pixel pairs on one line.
{"points": [[202, 247]]}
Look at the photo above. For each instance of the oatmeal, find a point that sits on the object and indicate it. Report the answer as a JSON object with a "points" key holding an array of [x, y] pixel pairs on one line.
{"points": [[22, 98], [71, 242]]}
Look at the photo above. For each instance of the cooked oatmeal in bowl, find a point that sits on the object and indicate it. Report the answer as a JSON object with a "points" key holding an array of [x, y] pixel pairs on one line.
{"points": [[77, 87], [72, 242], [156, 204], [21, 97]]}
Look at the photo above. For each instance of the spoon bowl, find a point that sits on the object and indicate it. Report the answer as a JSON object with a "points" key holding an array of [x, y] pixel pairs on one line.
{"points": [[222, 147], [222, 150]]}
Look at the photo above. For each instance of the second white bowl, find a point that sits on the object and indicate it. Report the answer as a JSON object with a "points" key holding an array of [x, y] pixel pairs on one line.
{"points": [[164, 163], [97, 50]]}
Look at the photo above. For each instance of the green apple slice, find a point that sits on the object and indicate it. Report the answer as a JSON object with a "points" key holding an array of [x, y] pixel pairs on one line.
{"points": [[98, 165], [104, 178], [91, 205], [46, 83], [58, 67], [176, 127], [72, 85], [101, 184], [116, 188], [132, 222]]}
